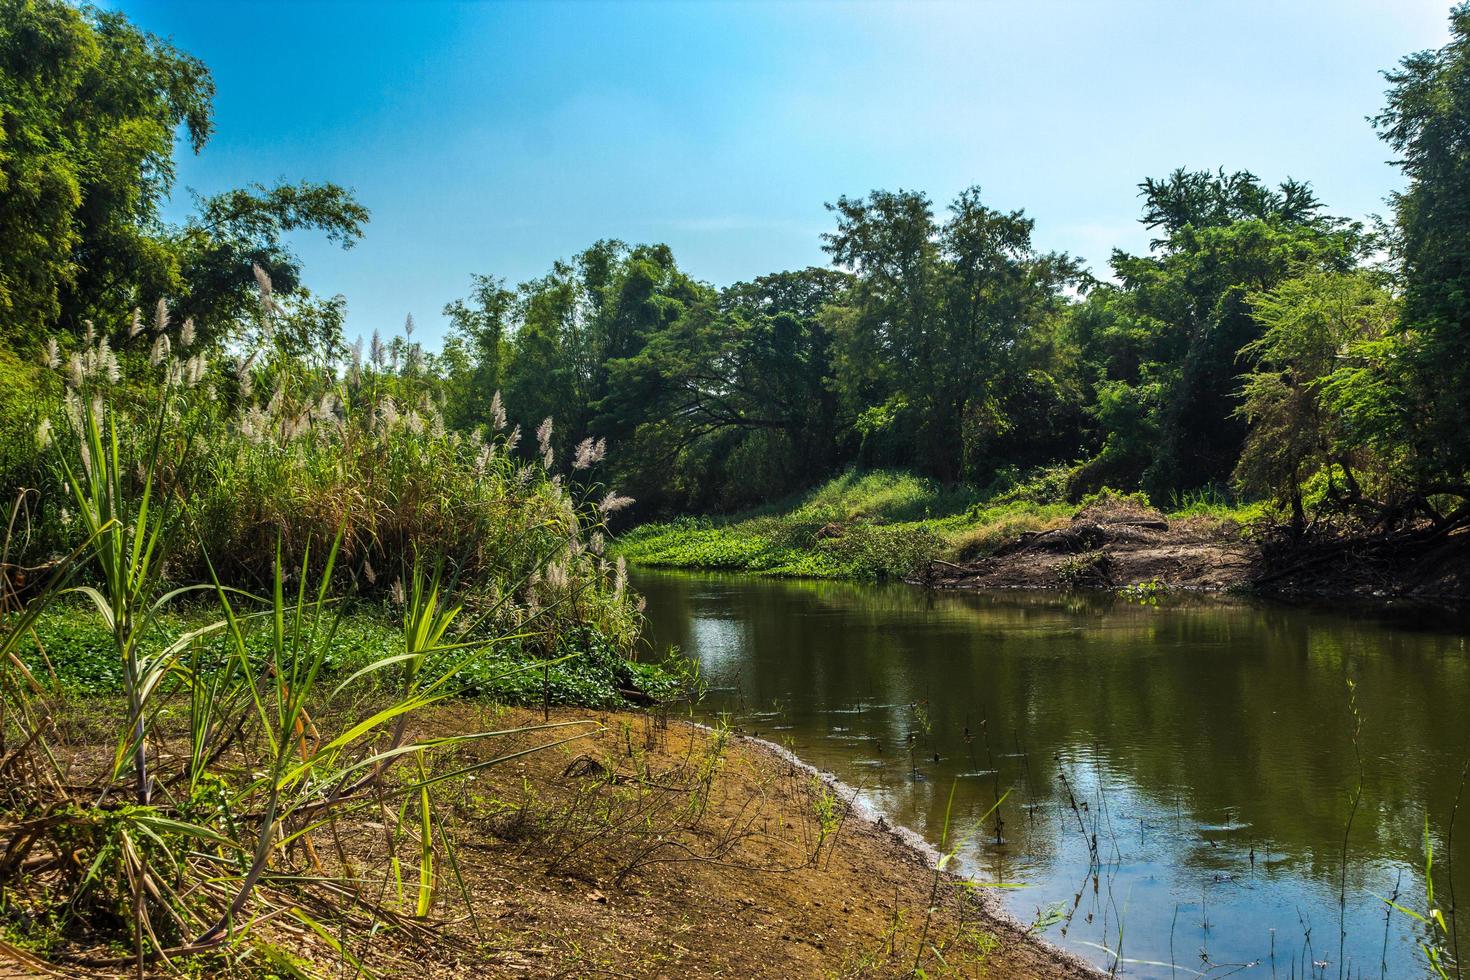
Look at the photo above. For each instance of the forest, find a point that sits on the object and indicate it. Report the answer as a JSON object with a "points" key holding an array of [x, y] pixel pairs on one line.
{"points": [[1261, 349], [260, 575]]}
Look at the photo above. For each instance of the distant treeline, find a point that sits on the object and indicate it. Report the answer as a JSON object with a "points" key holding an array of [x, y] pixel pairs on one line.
{"points": [[1261, 347]]}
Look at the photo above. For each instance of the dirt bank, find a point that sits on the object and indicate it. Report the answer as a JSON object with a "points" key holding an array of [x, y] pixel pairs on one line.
{"points": [[1108, 548], [639, 847], [654, 849], [1127, 545]]}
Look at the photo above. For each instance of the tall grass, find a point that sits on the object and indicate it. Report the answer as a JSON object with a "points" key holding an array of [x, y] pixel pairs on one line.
{"points": [[203, 808]]}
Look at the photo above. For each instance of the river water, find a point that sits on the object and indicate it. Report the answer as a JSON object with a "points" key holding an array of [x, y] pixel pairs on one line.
{"points": [[1177, 781]]}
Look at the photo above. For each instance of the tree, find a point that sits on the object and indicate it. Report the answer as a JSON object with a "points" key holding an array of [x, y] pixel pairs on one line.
{"points": [[732, 399], [1223, 238], [930, 356], [220, 246], [1312, 328], [475, 348], [89, 107], [1427, 122], [89, 110]]}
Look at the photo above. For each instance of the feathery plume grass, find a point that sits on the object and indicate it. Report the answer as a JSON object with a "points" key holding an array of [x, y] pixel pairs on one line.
{"points": [[589, 453], [264, 290], [613, 502]]}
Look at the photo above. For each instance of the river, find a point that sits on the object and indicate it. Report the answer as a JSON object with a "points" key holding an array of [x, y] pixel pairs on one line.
{"points": [[1177, 780]]}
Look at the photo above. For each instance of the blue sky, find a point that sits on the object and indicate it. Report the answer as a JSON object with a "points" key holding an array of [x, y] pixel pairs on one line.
{"points": [[498, 137]]}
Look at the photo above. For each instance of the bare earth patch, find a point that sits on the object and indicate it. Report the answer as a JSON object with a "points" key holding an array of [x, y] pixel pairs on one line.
{"points": [[1113, 547], [664, 850], [647, 848]]}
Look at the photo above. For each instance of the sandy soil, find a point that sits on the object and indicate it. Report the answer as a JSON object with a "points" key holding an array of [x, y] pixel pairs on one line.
{"points": [[662, 850], [642, 847]]}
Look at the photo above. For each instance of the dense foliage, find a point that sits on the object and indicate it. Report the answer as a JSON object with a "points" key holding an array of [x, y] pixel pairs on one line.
{"points": [[1259, 349]]}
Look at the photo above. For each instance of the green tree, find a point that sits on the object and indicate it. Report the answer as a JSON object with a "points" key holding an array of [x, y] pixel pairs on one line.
{"points": [[1312, 327], [89, 110], [1427, 122], [931, 356], [731, 403], [475, 350], [1186, 305], [89, 107], [230, 235]]}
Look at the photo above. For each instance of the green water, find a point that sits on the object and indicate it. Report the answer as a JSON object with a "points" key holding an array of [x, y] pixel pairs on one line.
{"points": [[1206, 745]]}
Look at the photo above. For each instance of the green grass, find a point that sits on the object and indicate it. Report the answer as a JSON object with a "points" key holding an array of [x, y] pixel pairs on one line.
{"points": [[82, 659], [876, 525]]}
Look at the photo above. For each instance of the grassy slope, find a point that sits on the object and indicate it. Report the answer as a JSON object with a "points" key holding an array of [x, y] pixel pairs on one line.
{"points": [[867, 526]]}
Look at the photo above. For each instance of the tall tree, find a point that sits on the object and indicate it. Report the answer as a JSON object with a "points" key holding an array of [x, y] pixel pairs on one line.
{"points": [[1313, 327], [89, 107], [930, 347], [1427, 122], [89, 110], [1222, 238]]}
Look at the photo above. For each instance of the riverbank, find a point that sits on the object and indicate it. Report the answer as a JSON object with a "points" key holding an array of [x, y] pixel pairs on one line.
{"points": [[884, 526], [875, 526], [1122, 546], [644, 846]]}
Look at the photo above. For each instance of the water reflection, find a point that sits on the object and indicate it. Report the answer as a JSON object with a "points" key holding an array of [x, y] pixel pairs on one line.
{"points": [[1180, 775]]}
